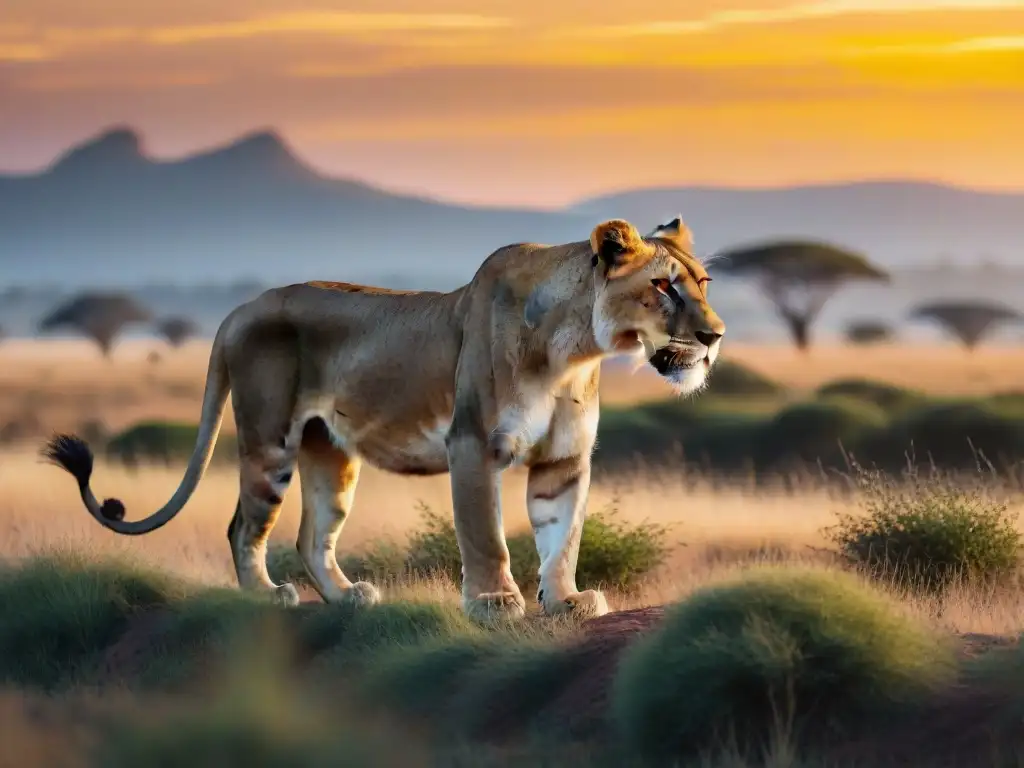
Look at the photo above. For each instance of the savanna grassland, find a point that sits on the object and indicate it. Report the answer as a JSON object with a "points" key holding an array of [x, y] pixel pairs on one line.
{"points": [[749, 632]]}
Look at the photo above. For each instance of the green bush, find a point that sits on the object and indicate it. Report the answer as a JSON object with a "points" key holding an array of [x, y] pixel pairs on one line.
{"points": [[421, 681], [927, 532], [613, 554], [513, 686], [955, 435], [618, 555], [257, 717], [734, 379], [818, 430], [868, 332], [470, 686], [802, 655], [165, 441], [194, 629], [61, 611], [886, 396]]}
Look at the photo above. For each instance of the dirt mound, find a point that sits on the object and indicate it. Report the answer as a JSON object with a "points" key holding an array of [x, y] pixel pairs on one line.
{"points": [[130, 655], [974, 644], [582, 704]]}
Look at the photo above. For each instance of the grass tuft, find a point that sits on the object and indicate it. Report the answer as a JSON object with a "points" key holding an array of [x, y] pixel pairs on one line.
{"points": [[62, 610], [927, 531], [812, 655]]}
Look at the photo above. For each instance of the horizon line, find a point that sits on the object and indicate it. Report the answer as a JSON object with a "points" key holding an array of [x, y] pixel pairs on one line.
{"points": [[236, 139]]}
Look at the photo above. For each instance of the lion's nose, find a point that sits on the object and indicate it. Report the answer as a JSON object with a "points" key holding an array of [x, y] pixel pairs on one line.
{"points": [[707, 338]]}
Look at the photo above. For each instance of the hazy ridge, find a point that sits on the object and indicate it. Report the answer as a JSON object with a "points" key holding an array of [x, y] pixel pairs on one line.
{"points": [[250, 213]]}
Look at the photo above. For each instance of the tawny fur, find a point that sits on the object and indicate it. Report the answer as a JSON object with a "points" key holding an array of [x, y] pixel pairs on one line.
{"points": [[324, 376]]}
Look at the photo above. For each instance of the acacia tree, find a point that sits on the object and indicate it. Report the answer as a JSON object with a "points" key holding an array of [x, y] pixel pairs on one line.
{"points": [[799, 277], [968, 320], [102, 316], [176, 330]]}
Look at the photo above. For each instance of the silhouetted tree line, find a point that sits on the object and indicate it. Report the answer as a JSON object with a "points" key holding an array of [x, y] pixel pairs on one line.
{"points": [[797, 277], [102, 316]]}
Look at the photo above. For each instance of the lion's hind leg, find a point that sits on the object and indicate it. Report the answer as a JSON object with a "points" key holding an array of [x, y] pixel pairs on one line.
{"points": [[263, 483], [328, 477]]}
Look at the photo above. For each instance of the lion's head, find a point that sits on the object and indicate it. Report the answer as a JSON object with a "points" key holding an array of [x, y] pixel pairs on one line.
{"points": [[652, 299]]}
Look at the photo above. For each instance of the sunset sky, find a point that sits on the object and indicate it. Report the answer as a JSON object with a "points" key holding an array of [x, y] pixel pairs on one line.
{"points": [[535, 102]]}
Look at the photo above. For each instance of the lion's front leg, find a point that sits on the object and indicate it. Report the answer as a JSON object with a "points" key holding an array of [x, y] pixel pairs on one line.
{"points": [[488, 589], [556, 501], [524, 416]]}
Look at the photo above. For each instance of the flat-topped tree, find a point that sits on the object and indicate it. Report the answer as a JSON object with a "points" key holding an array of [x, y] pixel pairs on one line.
{"points": [[798, 277], [968, 320], [176, 330], [102, 316]]}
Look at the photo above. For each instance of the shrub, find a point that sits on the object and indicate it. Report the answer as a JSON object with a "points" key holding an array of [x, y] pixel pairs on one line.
{"points": [[953, 435], [816, 431], [886, 396], [927, 531], [617, 555], [257, 717], [648, 431], [731, 378], [193, 630], [421, 681], [868, 332], [434, 548], [358, 630], [807, 655], [471, 686], [164, 441], [512, 687], [61, 612]]}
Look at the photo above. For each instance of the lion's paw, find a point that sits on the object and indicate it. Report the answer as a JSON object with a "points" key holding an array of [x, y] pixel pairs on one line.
{"points": [[588, 604], [495, 606], [362, 593], [286, 595]]}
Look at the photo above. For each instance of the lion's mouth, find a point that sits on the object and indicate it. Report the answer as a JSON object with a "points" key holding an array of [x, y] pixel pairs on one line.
{"points": [[672, 359]]}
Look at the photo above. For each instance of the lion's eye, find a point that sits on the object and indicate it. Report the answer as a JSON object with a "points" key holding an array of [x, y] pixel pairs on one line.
{"points": [[662, 284]]}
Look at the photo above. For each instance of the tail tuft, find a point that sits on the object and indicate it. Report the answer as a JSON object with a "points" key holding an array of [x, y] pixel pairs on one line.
{"points": [[112, 509], [72, 454]]}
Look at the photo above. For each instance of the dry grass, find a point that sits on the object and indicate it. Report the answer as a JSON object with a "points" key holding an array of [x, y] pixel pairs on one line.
{"points": [[715, 530], [64, 383]]}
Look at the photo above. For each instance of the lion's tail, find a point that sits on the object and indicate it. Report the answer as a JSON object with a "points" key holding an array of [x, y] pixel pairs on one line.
{"points": [[74, 455]]}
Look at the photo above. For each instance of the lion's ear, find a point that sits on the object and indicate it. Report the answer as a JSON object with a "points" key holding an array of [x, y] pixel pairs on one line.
{"points": [[615, 244], [675, 230]]}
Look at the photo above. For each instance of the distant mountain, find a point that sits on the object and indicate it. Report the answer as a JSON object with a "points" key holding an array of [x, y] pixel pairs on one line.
{"points": [[897, 223], [107, 213]]}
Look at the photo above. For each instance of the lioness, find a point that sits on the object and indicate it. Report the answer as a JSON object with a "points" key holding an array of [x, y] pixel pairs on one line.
{"points": [[501, 371]]}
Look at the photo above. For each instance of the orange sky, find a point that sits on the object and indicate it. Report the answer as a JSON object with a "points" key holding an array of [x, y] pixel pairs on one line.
{"points": [[535, 101]]}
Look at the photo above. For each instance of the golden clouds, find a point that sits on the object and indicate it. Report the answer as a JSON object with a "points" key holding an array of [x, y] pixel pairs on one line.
{"points": [[755, 89], [50, 40], [322, 23], [782, 13]]}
